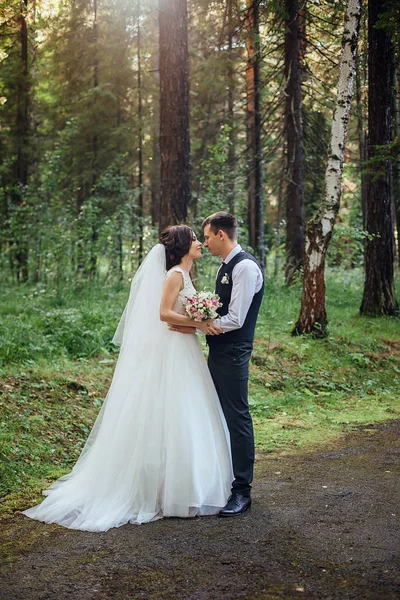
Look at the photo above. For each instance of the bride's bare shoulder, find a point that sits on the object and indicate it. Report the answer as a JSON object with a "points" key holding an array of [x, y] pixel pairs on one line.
{"points": [[175, 270], [176, 275]]}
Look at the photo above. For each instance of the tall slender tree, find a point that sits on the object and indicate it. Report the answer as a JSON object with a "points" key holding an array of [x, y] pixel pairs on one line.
{"points": [[379, 292], [95, 140], [155, 159], [22, 139], [253, 126], [313, 317], [396, 164], [395, 31], [294, 142], [174, 112], [231, 87], [362, 135], [140, 135]]}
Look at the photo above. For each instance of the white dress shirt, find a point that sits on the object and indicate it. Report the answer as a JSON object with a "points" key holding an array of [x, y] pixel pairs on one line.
{"points": [[247, 280]]}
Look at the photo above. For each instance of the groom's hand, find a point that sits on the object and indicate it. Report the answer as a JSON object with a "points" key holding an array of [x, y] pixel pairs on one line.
{"points": [[181, 328], [210, 328], [214, 329]]}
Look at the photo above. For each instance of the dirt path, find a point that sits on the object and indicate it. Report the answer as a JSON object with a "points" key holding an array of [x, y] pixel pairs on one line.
{"points": [[324, 525]]}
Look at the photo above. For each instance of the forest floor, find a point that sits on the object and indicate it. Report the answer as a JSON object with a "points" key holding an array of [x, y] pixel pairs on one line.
{"points": [[324, 525]]}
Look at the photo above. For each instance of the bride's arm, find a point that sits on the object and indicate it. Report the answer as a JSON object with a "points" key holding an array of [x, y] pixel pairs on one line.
{"points": [[172, 288]]}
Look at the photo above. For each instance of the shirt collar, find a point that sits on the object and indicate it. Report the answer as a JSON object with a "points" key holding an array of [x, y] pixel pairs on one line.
{"points": [[232, 254]]}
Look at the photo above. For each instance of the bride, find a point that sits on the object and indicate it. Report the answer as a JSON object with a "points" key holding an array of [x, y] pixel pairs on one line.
{"points": [[160, 445]]}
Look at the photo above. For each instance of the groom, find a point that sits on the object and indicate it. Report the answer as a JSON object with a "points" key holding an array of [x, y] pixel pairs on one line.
{"points": [[240, 285]]}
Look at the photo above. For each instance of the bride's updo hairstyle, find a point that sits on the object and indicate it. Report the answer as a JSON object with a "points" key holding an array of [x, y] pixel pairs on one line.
{"points": [[177, 240]]}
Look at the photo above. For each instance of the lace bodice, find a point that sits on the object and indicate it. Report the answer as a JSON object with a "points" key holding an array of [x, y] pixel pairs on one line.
{"points": [[188, 290]]}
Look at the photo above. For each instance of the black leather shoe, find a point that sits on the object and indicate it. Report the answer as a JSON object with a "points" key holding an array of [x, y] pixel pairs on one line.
{"points": [[237, 505]]}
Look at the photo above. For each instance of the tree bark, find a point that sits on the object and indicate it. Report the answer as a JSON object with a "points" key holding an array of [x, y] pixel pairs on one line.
{"points": [[22, 134], [396, 163], [294, 145], [155, 163], [254, 138], [140, 139], [279, 221], [303, 32], [379, 292], [35, 147], [174, 112], [250, 125], [313, 317], [230, 119], [362, 139], [92, 271]]}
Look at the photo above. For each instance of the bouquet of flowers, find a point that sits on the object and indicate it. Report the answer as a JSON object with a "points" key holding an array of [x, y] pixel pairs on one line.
{"points": [[202, 306]]}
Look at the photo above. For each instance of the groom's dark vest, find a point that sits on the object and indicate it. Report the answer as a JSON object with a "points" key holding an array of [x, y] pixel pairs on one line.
{"points": [[224, 291]]}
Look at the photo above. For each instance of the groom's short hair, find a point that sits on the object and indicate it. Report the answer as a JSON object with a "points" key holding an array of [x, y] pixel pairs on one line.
{"points": [[222, 220]]}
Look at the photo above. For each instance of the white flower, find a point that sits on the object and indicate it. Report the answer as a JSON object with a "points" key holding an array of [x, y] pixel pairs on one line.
{"points": [[225, 279]]}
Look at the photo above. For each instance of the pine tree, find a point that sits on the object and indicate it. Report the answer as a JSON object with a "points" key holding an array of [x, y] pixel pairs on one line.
{"points": [[379, 292], [294, 144], [174, 112], [254, 139]]}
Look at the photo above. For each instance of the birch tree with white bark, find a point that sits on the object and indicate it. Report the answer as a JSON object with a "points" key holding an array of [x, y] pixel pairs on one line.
{"points": [[313, 317]]}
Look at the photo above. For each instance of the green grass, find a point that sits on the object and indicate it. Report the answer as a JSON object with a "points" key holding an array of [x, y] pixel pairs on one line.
{"points": [[306, 390], [57, 362], [37, 323]]}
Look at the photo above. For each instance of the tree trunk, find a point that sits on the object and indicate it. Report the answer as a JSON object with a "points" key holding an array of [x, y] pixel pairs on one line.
{"points": [[174, 112], [313, 317], [278, 238], [379, 293], [230, 119], [94, 235], [140, 141], [23, 143], [303, 33], [155, 163], [35, 148], [260, 247], [80, 247], [251, 125], [120, 246], [396, 163], [362, 143], [254, 139], [294, 145], [35, 138]]}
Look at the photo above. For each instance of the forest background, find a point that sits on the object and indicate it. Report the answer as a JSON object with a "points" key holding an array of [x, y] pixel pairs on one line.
{"points": [[118, 118]]}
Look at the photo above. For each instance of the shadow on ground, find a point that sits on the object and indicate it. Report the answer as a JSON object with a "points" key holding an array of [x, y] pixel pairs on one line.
{"points": [[323, 525]]}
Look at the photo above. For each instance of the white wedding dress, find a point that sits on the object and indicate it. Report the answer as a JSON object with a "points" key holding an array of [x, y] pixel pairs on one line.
{"points": [[160, 445]]}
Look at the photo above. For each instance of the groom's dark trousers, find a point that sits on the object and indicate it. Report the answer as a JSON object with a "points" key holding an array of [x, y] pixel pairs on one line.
{"points": [[228, 362], [229, 368]]}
